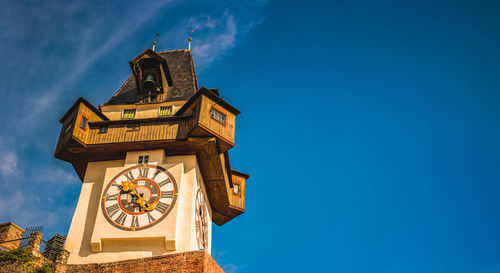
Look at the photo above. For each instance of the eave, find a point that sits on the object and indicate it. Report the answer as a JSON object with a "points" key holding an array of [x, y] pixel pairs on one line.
{"points": [[212, 96], [88, 104]]}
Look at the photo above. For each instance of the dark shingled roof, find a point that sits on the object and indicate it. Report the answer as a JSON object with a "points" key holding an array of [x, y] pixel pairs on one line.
{"points": [[181, 67]]}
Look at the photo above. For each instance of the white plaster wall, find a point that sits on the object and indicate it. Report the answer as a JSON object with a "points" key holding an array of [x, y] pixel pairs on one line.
{"points": [[89, 225]]}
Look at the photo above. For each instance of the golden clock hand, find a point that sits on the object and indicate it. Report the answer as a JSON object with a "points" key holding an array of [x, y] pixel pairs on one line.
{"points": [[128, 186], [141, 201], [124, 186], [151, 207], [135, 192]]}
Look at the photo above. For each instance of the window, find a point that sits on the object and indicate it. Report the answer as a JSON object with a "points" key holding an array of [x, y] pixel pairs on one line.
{"points": [[83, 123], [218, 116], [143, 159], [68, 127], [128, 114], [165, 111], [103, 130], [236, 188]]}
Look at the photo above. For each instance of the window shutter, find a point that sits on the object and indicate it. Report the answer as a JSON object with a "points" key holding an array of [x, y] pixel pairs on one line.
{"points": [[165, 111], [128, 114]]}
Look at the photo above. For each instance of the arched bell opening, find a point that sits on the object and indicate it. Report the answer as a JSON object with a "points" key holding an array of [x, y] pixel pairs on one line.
{"points": [[150, 82]]}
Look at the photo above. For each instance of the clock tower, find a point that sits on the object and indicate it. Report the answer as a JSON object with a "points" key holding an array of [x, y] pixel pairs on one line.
{"points": [[154, 162]]}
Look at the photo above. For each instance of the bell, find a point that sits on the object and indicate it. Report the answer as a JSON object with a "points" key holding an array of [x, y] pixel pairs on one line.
{"points": [[149, 83]]}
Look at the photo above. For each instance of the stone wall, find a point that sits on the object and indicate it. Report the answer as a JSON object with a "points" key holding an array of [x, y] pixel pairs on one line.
{"points": [[10, 231], [29, 259], [186, 262]]}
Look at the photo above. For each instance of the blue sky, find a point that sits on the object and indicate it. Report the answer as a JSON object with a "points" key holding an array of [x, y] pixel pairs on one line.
{"points": [[370, 128]]}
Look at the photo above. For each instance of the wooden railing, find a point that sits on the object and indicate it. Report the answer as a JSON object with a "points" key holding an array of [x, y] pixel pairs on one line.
{"points": [[123, 131]]}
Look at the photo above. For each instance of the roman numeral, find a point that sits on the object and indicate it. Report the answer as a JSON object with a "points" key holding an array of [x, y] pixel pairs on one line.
{"points": [[129, 176], [121, 218], [143, 172], [151, 218], [167, 194], [135, 221], [164, 182], [156, 173], [115, 184], [111, 197], [112, 210], [162, 207]]}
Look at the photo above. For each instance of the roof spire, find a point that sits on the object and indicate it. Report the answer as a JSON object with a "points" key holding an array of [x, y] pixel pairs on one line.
{"points": [[154, 41], [189, 40]]}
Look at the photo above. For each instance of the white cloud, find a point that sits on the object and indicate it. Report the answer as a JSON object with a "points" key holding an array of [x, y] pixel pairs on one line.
{"points": [[57, 176], [217, 36], [220, 257], [230, 268], [25, 210], [12, 201], [8, 163], [213, 36], [89, 51]]}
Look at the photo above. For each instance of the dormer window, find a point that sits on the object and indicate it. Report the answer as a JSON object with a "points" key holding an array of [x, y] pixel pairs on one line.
{"points": [[152, 76], [128, 114], [165, 111]]}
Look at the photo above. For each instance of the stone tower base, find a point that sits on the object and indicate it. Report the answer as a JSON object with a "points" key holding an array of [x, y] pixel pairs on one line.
{"points": [[193, 261]]}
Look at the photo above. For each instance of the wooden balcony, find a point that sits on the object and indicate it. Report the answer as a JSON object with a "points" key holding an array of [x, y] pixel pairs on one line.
{"points": [[88, 135]]}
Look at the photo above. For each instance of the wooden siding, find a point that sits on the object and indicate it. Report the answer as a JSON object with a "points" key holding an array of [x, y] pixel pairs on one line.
{"points": [[149, 110], [144, 131], [122, 131], [83, 134], [237, 200], [223, 131], [194, 111]]}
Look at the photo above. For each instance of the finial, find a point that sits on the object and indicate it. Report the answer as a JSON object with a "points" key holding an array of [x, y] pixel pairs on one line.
{"points": [[154, 41], [189, 40]]}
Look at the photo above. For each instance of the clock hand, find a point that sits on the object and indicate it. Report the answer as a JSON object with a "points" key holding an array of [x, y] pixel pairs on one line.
{"points": [[152, 206], [128, 186], [131, 187], [136, 193], [141, 201]]}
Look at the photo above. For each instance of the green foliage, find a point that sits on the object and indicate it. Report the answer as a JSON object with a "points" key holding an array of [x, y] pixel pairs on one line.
{"points": [[19, 260], [17, 255], [46, 268]]}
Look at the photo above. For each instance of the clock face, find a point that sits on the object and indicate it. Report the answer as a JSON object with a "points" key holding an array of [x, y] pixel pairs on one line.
{"points": [[139, 197], [201, 220]]}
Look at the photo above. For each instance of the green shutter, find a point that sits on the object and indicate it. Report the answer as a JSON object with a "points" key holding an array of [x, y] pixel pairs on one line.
{"points": [[128, 114], [165, 111]]}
